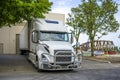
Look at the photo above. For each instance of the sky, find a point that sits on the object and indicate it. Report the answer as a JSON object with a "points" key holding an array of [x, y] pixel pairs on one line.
{"points": [[64, 7]]}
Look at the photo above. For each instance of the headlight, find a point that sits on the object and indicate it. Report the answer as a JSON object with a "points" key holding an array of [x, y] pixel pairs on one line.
{"points": [[44, 58]]}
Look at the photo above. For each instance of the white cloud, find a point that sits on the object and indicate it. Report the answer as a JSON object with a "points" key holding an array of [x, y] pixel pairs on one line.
{"points": [[61, 6], [63, 2]]}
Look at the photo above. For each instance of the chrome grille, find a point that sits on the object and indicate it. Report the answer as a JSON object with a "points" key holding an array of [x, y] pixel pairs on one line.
{"points": [[63, 56]]}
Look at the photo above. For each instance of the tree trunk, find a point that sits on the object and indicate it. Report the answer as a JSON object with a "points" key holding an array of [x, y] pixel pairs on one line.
{"points": [[29, 28], [76, 45], [92, 46]]}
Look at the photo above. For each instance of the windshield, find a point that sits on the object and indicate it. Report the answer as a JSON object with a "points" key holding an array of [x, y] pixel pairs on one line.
{"points": [[53, 36]]}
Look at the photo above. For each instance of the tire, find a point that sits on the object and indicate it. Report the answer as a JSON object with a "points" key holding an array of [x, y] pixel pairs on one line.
{"points": [[27, 56], [37, 65]]}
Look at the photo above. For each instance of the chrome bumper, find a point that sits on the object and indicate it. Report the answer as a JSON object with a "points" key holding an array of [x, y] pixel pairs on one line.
{"points": [[61, 67], [68, 65]]}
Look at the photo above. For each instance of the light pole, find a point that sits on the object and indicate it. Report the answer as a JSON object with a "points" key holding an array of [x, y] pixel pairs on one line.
{"points": [[119, 47], [119, 36]]}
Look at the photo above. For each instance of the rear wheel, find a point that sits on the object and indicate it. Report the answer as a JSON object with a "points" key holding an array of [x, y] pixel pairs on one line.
{"points": [[28, 57]]}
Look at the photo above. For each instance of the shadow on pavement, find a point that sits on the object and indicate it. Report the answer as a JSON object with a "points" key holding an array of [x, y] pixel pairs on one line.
{"points": [[15, 63]]}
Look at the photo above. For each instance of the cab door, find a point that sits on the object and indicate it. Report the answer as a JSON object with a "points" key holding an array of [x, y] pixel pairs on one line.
{"points": [[33, 45]]}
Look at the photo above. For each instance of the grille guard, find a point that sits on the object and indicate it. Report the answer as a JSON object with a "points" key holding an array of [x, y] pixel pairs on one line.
{"points": [[70, 66], [62, 54]]}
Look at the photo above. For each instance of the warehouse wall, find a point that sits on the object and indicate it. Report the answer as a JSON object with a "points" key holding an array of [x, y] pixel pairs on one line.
{"points": [[8, 34], [8, 38]]}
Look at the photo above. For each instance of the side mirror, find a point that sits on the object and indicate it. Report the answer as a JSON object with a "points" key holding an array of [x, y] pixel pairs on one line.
{"points": [[76, 45], [35, 37], [70, 37]]}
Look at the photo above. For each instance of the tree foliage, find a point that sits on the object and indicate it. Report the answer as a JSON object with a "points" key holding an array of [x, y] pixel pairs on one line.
{"points": [[14, 11], [96, 17], [77, 28]]}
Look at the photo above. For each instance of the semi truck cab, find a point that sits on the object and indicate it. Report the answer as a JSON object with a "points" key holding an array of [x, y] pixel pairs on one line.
{"points": [[50, 46]]}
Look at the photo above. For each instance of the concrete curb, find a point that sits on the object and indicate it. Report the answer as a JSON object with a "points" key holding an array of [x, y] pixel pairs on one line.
{"points": [[98, 60]]}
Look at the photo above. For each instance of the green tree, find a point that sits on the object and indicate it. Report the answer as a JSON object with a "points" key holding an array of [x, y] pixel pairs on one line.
{"points": [[97, 17], [77, 27], [15, 11]]}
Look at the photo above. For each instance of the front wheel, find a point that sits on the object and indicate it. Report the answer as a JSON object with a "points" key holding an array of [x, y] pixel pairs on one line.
{"points": [[37, 65]]}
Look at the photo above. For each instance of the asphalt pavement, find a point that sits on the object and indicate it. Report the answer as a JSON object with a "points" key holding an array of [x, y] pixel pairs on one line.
{"points": [[16, 67], [15, 63]]}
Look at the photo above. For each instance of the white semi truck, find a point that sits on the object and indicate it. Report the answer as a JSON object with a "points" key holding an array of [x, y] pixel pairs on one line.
{"points": [[49, 45]]}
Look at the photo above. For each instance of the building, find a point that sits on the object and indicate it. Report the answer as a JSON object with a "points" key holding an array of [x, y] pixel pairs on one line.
{"points": [[99, 45], [9, 36]]}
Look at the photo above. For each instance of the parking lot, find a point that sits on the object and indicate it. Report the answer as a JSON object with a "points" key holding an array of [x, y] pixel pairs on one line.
{"points": [[16, 67]]}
